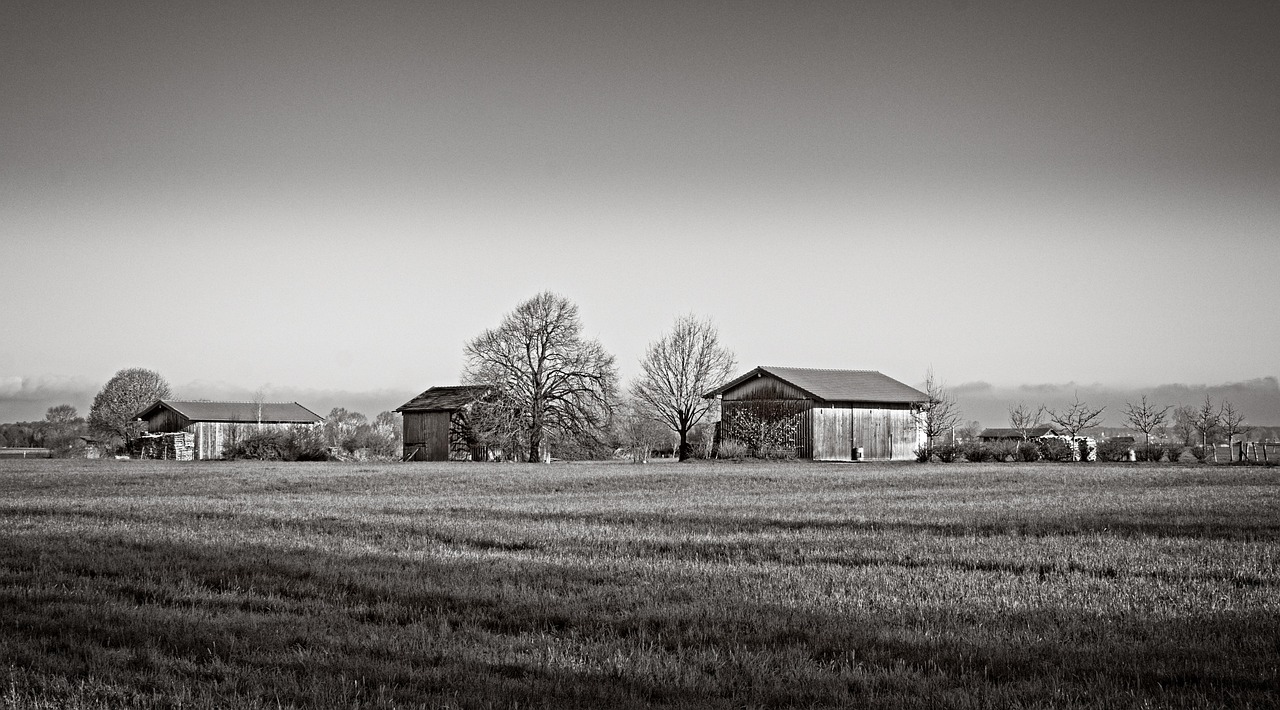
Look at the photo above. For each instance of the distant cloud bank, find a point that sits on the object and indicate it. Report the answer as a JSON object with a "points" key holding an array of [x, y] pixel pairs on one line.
{"points": [[27, 398]]}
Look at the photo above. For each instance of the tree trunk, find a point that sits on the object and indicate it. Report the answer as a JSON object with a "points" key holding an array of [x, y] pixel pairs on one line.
{"points": [[684, 445], [535, 442]]}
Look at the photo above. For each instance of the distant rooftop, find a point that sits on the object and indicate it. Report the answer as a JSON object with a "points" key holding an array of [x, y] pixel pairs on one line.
{"points": [[1005, 433]]}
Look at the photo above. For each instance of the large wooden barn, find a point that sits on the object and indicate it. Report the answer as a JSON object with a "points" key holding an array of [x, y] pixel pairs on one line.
{"points": [[214, 424], [825, 415], [435, 424]]}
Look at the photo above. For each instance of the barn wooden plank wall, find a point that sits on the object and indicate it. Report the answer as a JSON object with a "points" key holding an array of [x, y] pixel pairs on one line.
{"points": [[426, 435], [831, 431]]}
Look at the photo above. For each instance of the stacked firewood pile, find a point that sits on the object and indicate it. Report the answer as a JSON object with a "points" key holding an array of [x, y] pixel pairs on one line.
{"points": [[170, 446]]}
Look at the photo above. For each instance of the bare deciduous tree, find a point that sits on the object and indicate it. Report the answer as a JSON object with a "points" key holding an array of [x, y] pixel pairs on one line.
{"points": [[550, 379], [1077, 417], [675, 373], [1145, 417], [1205, 421], [1184, 423], [114, 408], [1024, 419], [939, 413], [1231, 422], [639, 433]]}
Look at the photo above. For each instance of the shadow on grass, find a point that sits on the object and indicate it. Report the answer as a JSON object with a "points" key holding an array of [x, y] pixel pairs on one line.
{"points": [[160, 619], [1201, 526]]}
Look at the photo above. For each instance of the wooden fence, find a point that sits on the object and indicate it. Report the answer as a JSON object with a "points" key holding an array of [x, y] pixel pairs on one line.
{"points": [[1255, 451]]}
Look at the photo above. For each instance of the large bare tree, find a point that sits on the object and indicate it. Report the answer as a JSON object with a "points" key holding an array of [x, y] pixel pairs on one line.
{"points": [[121, 399], [677, 370], [939, 413], [1145, 417], [552, 380], [1076, 417]]}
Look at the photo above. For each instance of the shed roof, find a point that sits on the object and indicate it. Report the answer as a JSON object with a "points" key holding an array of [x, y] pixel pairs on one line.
{"points": [[246, 412], [445, 399], [1004, 433], [835, 385]]}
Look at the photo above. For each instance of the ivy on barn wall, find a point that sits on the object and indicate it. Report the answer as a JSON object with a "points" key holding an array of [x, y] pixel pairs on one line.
{"points": [[763, 425]]}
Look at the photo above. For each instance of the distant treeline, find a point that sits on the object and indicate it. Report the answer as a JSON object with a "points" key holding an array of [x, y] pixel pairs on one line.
{"points": [[61, 432]]}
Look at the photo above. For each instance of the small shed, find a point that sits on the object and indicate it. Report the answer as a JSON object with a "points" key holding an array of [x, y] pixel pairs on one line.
{"points": [[214, 424], [824, 415], [436, 426]]}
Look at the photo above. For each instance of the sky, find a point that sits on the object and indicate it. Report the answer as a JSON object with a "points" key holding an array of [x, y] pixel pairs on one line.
{"points": [[326, 200]]}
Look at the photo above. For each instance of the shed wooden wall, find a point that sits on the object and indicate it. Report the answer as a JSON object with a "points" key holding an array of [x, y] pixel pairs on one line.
{"points": [[427, 433]]}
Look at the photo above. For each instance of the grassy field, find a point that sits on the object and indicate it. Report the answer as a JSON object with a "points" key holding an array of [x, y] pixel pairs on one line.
{"points": [[166, 584]]}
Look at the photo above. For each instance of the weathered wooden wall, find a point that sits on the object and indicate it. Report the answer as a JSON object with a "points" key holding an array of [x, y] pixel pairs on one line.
{"points": [[763, 388], [166, 420], [830, 432], [212, 437], [427, 433]]}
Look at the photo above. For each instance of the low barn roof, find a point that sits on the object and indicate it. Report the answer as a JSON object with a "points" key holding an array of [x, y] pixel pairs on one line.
{"points": [[999, 433], [836, 385], [445, 399], [245, 412]]}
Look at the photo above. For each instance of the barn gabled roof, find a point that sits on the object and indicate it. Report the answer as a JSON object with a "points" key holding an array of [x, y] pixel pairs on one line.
{"points": [[244, 412], [445, 399], [835, 385]]}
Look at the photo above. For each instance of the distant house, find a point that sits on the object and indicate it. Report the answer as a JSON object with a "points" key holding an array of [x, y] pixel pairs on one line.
{"points": [[214, 424], [1038, 432], [824, 415], [436, 424]]}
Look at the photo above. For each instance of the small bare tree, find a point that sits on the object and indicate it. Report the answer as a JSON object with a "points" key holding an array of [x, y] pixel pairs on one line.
{"points": [[1024, 419], [1145, 417], [1231, 422], [1077, 417], [675, 373], [1184, 423], [1205, 420], [638, 432], [939, 413]]}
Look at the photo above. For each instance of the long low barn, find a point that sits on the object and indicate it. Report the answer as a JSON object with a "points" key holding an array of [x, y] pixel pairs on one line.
{"points": [[215, 423], [826, 415]]}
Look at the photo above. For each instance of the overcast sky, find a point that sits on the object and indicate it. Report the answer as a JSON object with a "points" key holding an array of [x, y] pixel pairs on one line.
{"points": [[334, 197]]}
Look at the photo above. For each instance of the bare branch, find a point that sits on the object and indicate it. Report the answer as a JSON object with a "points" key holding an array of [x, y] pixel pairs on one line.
{"points": [[1145, 417], [1077, 417], [939, 413], [675, 373]]}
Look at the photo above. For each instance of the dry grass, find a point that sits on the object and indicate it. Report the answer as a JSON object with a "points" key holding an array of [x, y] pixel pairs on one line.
{"points": [[161, 584]]}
